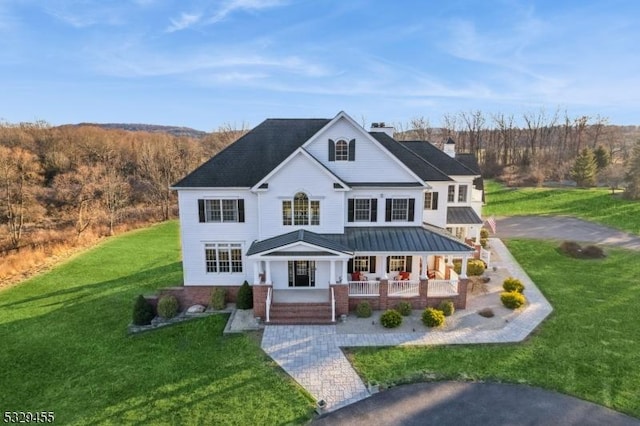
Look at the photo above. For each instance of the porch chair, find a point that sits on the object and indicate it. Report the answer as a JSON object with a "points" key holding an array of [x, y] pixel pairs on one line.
{"points": [[403, 276]]}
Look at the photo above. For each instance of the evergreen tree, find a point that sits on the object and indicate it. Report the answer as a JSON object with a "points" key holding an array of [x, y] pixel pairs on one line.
{"points": [[584, 169], [603, 159], [632, 191]]}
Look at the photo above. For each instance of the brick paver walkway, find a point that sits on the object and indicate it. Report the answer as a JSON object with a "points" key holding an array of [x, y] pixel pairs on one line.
{"points": [[312, 355]]}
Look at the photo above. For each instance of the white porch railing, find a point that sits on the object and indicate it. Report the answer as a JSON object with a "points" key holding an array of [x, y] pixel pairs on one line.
{"points": [[364, 288], [485, 256], [333, 305], [268, 303], [442, 288], [404, 288]]}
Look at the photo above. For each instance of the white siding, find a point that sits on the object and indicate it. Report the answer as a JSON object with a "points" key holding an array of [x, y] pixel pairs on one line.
{"points": [[437, 217], [382, 194], [373, 163]]}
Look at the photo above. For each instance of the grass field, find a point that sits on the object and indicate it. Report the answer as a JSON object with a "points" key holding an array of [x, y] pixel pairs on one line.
{"points": [[596, 204], [589, 347], [65, 348]]}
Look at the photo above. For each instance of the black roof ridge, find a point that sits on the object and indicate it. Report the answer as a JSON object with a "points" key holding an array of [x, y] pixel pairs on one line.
{"points": [[424, 159]]}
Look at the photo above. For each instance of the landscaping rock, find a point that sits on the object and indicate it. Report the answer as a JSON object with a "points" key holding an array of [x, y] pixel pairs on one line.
{"points": [[196, 309]]}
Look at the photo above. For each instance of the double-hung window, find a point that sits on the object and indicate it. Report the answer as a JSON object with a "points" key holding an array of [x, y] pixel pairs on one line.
{"points": [[451, 194], [223, 257], [218, 210], [462, 193], [431, 201], [400, 209]]}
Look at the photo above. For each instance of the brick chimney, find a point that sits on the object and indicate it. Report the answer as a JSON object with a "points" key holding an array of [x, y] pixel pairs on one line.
{"points": [[450, 148], [382, 128]]}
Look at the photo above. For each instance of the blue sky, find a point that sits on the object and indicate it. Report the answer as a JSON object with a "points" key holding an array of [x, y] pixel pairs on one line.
{"points": [[206, 63]]}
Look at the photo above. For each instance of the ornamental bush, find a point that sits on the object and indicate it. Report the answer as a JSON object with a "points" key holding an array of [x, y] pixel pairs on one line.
{"points": [[571, 248], [512, 299], [593, 252], [391, 318], [432, 317], [218, 298], [363, 310], [484, 237], [513, 284], [447, 308], [404, 308], [475, 267], [168, 307], [245, 296], [142, 311]]}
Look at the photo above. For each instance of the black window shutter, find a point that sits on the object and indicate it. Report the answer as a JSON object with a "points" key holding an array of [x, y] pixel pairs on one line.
{"points": [[201, 210], [434, 201], [350, 210], [332, 150], [241, 210], [409, 262], [387, 213], [374, 210], [350, 266], [412, 209], [388, 261], [372, 264], [352, 150]]}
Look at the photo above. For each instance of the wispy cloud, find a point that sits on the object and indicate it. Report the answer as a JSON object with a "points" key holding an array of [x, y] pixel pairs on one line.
{"points": [[185, 21]]}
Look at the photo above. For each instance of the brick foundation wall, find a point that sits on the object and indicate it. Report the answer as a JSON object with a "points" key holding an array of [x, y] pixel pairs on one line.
{"points": [[341, 293], [196, 295], [374, 302], [260, 300]]}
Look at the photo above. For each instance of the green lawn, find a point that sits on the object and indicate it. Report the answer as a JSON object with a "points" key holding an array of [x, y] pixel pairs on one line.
{"points": [[596, 204], [589, 346], [65, 348]]}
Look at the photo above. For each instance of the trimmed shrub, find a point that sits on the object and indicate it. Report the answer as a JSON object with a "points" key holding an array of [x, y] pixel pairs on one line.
{"points": [[363, 310], [593, 252], [391, 318], [571, 248], [513, 284], [245, 296], [432, 317], [486, 313], [512, 299], [404, 308], [142, 311], [218, 298], [475, 267], [168, 307], [447, 308], [484, 237]]}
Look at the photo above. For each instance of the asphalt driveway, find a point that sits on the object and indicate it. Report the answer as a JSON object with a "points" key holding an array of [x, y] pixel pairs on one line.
{"points": [[563, 228], [463, 403]]}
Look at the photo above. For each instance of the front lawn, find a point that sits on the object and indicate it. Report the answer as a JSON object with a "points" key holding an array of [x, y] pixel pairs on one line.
{"points": [[65, 348], [589, 347], [595, 204]]}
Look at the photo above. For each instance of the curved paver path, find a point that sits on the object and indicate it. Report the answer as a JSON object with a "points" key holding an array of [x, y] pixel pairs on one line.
{"points": [[459, 403], [564, 228]]}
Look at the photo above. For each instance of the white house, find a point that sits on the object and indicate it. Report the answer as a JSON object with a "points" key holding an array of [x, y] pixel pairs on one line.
{"points": [[319, 214]]}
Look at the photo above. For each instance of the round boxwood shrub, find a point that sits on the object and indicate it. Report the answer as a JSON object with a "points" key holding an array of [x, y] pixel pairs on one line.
{"points": [[432, 317], [593, 252], [404, 308], [168, 306], [245, 296], [391, 318], [447, 308], [513, 284], [142, 311], [363, 310], [512, 299], [475, 267], [571, 248], [218, 296], [484, 237]]}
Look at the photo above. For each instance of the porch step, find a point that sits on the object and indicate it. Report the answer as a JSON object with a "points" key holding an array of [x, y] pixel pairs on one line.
{"points": [[300, 313]]}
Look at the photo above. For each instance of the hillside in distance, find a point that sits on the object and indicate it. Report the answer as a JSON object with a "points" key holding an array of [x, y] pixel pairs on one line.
{"points": [[151, 128]]}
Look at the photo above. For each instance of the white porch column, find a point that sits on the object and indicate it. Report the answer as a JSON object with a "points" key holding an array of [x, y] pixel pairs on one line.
{"points": [[332, 273], [385, 274], [423, 270], [256, 272], [463, 269], [268, 272], [344, 272]]}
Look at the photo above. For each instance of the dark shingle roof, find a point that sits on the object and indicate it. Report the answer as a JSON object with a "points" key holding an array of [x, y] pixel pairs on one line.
{"points": [[438, 158], [462, 216], [254, 155], [299, 235], [419, 165], [471, 162]]}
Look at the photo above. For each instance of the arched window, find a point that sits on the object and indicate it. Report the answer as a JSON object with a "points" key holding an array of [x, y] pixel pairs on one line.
{"points": [[301, 210], [342, 151]]}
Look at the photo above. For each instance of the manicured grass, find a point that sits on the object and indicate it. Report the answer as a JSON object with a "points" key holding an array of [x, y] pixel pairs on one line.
{"points": [[65, 348], [589, 346], [596, 204]]}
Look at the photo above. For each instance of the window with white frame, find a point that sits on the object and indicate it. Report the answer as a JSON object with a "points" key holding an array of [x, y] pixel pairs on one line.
{"points": [[451, 194], [301, 211], [431, 201], [397, 263], [399, 209], [361, 264], [342, 151], [362, 210], [462, 194], [223, 257], [221, 211]]}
